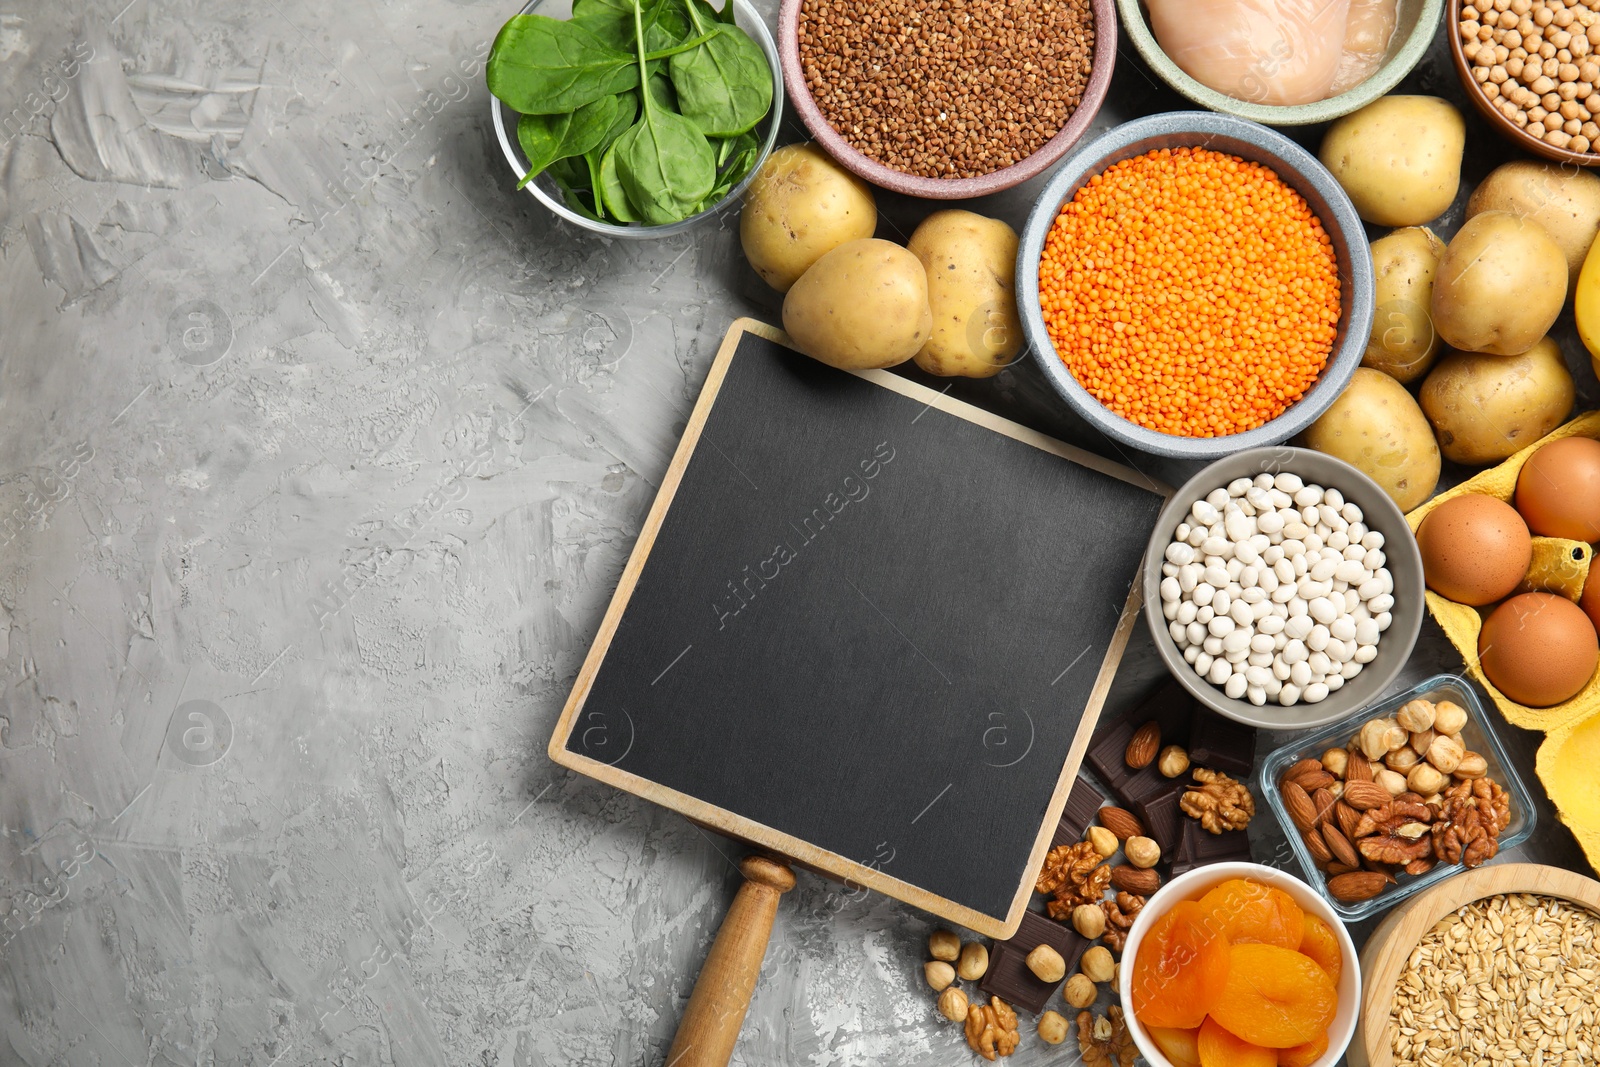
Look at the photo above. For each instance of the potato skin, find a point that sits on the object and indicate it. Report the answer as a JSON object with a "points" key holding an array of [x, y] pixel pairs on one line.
{"points": [[1377, 428], [1404, 343], [801, 205], [971, 263], [862, 305], [1501, 283], [1484, 408], [1562, 199], [1399, 158]]}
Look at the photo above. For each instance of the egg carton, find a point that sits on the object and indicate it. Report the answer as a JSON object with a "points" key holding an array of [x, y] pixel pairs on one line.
{"points": [[1571, 749]]}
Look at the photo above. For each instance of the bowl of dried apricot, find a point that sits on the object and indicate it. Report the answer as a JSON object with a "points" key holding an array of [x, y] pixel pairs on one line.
{"points": [[1240, 965]]}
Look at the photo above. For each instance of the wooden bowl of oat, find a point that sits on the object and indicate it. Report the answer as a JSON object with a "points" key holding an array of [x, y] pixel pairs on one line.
{"points": [[1443, 970]]}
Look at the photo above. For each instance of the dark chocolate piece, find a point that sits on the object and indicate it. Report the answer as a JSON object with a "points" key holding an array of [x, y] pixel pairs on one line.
{"points": [[1198, 848], [1008, 976], [1161, 815], [1082, 802], [1172, 707], [1222, 744]]}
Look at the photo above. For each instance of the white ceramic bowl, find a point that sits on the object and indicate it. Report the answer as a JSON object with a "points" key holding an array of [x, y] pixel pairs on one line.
{"points": [[1192, 886]]}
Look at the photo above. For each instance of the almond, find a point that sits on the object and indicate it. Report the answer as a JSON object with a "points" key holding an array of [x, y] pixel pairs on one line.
{"points": [[1336, 869], [1358, 768], [1312, 781], [1305, 766], [1126, 824], [1365, 795], [1317, 846], [1340, 846], [1323, 801], [1356, 886], [1298, 803], [1143, 746], [1140, 881], [1348, 819]]}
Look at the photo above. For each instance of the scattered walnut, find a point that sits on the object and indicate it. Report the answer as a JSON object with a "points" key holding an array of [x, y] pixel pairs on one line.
{"points": [[1104, 1040], [1087, 891], [1119, 916], [1392, 814], [992, 1028], [1220, 803], [1397, 842], [1121, 1039], [1064, 864], [1461, 836]]}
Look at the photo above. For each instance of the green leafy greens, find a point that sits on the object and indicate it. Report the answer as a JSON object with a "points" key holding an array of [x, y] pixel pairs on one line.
{"points": [[619, 153]]}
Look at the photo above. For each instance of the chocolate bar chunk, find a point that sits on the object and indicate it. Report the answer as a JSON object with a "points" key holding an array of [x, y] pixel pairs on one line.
{"points": [[1082, 802], [1172, 707], [1222, 744], [1161, 815], [1198, 848], [1008, 976]]}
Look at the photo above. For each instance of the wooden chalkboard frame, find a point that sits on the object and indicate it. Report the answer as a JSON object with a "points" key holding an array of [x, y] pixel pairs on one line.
{"points": [[765, 837]]}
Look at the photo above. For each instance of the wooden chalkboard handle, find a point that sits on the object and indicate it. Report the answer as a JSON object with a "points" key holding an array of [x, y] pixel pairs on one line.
{"points": [[710, 1024]]}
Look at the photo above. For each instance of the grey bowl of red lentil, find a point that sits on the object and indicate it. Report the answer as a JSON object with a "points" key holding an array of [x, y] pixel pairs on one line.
{"points": [[1297, 169], [1093, 84]]}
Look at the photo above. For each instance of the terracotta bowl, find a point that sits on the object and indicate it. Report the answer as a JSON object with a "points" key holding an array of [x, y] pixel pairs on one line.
{"points": [[1105, 56], [1502, 125]]}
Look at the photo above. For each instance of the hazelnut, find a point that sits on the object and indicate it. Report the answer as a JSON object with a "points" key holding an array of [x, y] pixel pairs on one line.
{"points": [[1173, 761], [1046, 964], [1103, 840], [953, 1005], [1449, 718], [1426, 779], [939, 974], [1446, 753], [1097, 965], [1080, 991], [1472, 765], [974, 962], [1142, 851], [944, 945], [1391, 781], [1416, 715], [1334, 761], [1052, 1028], [1402, 759], [1089, 921], [1421, 739], [1379, 737]]}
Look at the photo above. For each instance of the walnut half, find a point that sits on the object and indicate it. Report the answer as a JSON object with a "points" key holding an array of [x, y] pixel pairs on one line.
{"points": [[1220, 803], [992, 1029]]}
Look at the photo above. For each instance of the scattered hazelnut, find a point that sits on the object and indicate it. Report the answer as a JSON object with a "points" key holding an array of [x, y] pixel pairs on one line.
{"points": [[1098, 965], [953, 1005], [1472, 765], [1416, 715], [1142, 851], [974, 962], [1173, 761], [1334, 761], [1394, 783], [939, 974], [1449, 718], [1103, 840], [1402, 759], [1046, 964], [1080, 991], [1089, 920], [944, 945], [1052, 1028], [1426, 779], [1446, 754]]}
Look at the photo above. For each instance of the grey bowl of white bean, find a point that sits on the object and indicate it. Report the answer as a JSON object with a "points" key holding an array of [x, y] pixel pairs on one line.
{"points": [[1283, 588]]}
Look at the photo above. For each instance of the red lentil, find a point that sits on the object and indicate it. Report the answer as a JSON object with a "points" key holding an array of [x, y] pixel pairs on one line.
{"points": [[1191, 292]]}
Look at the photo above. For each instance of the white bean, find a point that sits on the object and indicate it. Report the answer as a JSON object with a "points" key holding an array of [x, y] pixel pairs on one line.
{"points": [[1186, 612], [1343, 628], [1323, 570], [1268, 522], [1340, 652], [1288, 483], [1256, 695], [1374, 559], [1298, 627], [1169, 609], [1190, 653], [1315, 693], [1220, 670], [1351, 571], [1271, 555], [1203, 511], [1195, 632], [1294, 652], [1239, 487], [1179, 632], [1308, 496], [1205, 614], [1271, 625], [1203, 593], [1335, 683], [1289, 695], [1241, 613], [1235, 686], [1319, 663], [1218, 546], [1202, 663], [1380, 604], [1318, 638], [1212, 646], [1367, 632], [1300, 674], [1221, 602], [1221, 626], [1262, 643]]}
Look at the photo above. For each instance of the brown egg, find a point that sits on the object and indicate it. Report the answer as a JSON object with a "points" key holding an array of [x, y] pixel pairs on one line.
{"points": [[1475, 549], [1558, 491], [1539, 649], [1590, 603]]}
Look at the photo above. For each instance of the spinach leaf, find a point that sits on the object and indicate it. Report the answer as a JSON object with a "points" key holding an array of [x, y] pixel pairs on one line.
{"points": [[547, 138], [662, 91], [664, 162], [572, 177], [729, 147], [726, 14], [611, 190], [609, 20], [543, 66], [724, 86], [627, 112], [665, 25]]}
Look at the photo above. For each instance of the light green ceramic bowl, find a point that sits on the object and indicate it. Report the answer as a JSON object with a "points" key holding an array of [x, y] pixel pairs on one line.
{"points": [[1414, 31]]}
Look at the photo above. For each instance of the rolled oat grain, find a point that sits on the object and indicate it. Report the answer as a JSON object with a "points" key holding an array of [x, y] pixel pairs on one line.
{"points": [[951, 88]]}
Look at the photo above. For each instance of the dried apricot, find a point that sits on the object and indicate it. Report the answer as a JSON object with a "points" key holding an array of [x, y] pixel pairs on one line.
{"points": [[1304, 1055], [1180, 1047], [1274, 997], [1322, 945], [1180, 970], [1219, 1048], [1245, 911]]}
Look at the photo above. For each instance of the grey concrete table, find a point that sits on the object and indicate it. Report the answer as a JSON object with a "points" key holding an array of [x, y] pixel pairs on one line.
{"points": [[321, 451]]}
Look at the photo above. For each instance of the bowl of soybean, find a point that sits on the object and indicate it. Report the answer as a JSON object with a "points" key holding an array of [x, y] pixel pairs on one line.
{"points": [[721, 88]]}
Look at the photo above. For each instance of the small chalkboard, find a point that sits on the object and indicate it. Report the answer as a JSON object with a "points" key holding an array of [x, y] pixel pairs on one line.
{"points": [[866, 627]]}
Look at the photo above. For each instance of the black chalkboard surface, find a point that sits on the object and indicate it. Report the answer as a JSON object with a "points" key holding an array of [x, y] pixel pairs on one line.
{"points": [[867, 627]]}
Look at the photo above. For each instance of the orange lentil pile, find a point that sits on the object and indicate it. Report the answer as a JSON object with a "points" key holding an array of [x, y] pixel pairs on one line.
{"points": [[1191, 292]]}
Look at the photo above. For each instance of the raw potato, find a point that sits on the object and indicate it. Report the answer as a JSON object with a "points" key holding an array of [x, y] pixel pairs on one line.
{"points": [[1404, 343], [1377, 428], [1500, 285], [971, 263], [1399, 158], [862, 305], [1484, 408], [801, 205], [1562, 199]]}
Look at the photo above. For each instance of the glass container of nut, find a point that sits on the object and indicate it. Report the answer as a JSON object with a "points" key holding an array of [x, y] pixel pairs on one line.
{"points": [[1388, 802]]}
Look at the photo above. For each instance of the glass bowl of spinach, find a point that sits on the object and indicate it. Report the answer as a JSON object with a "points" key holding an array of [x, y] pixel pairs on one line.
{"points": [[580, 135]]}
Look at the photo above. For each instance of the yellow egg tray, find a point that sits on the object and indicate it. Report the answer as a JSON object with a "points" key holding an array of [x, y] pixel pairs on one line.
{"points": [[1571, 751]]}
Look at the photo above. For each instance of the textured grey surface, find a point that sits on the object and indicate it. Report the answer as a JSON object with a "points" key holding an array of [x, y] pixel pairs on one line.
{"points": [[320, 453]]}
